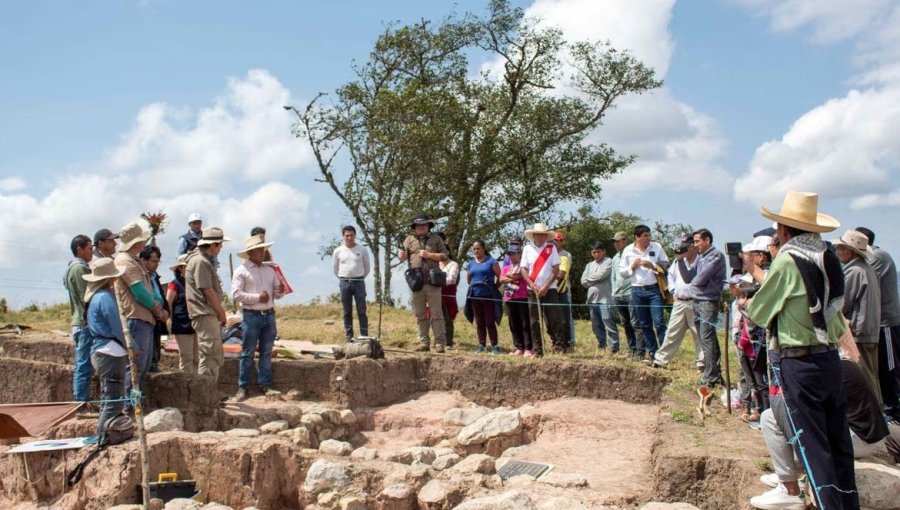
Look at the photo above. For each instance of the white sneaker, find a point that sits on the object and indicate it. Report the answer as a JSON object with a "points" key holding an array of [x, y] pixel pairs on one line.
{"points": [[770, 479], [778, 499]]}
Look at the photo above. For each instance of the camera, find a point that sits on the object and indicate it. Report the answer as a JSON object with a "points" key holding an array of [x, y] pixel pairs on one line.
{"points": [[733, 250]]}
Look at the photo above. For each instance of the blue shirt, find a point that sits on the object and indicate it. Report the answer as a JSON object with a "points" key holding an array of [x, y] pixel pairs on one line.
{"points": [[103, 319], [708, 284], [482, 277]]}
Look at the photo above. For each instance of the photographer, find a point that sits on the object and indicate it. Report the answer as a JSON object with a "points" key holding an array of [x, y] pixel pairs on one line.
{"points": [[750, 339], [425, 250]]}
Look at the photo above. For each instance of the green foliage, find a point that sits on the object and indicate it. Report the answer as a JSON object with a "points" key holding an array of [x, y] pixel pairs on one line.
{"points": [[415, 132]]}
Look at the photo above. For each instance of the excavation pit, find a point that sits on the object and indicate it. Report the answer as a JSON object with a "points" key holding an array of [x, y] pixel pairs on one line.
{"points": [[603, 429]]}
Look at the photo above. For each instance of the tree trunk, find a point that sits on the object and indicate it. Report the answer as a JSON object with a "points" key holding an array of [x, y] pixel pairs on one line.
{"points": [[387, 298]]}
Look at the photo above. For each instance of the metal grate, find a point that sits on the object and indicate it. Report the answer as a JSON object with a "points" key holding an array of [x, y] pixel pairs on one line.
{"points": [[519, 467]]}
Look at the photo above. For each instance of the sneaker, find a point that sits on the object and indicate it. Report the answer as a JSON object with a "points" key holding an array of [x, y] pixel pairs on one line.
{"points": [[438, 348], [657, 364], [527, 354], [700, 365], [770, 479], [517, 352], [422, 348], [241, 395], [495, 350], [450, 347], [480, 348], [778, 499]]}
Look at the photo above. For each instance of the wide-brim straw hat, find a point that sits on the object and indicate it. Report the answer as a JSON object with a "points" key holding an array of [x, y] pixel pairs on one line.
{"points": [[539, 228], [857, 242], [252, 243], [181, 261], [131, 234], [212, 235], [800, 210], [102, 270]]}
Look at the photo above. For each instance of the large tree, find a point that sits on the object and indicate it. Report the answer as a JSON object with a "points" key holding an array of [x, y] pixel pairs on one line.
{"points": [[415, 131]]}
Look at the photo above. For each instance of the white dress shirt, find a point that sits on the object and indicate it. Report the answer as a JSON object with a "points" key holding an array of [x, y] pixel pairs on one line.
{"points": [[251, 280], [642, 277]]}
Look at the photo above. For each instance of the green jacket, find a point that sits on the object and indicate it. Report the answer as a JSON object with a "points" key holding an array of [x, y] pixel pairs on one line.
{"points": [[76, 285], [782, 297]]}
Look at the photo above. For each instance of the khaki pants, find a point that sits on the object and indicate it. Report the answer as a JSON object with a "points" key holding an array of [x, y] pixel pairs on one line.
{"points": [[209, 339], [868, 362], [431, 296], [681, 320], [188, 352]]}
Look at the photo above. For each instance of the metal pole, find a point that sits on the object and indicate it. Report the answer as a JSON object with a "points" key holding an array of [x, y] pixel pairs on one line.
{"points": [[727, 365], [138, 410]]}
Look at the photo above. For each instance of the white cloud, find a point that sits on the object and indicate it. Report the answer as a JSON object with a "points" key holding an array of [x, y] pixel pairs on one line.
{"points": [[846, 147], [677, 146], [11, 184], [229, 161]]}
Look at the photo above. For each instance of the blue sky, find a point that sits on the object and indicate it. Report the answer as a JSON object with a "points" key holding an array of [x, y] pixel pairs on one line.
{"points": [[115, 108]]}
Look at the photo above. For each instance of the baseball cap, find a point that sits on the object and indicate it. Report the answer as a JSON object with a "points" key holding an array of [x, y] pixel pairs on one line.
{"points": [[103, 234], [620, 236], [680, 248], [514, 248], [759, 243], [195, 217]]}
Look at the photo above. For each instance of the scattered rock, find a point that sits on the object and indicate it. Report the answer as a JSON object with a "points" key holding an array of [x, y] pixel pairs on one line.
{"points": [[353, 503], [489, 426], [438, 495], [183, 504], [397, 496], [291, 414], [125, 507], [312, 421], [563, 503], [274, 396], [164, 420], [215, 506], [347, 417], [463, 416], [323, 475], [421, 454], [878, 485], [274, 427], [295, 395], [440, 451], [564, 480], [655, 505], [512, 500], [415, 476], [332, 416], [156, 504], [363, 453], [328, 499], [512, 452], [477, 463], [329, 323], [332, 447], [445, 461], [242, 433], [325, 433], [299, 436]]}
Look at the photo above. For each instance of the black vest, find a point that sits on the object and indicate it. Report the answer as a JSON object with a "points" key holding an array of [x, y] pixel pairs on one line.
{"points": [[687, 275], [191, 242]]}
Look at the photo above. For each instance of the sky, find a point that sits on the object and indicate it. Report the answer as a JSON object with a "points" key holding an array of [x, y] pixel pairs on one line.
{"points": [[111, 109]]}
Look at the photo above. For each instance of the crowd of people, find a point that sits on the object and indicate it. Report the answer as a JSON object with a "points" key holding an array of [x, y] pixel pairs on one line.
{"points": [[815, 323]]}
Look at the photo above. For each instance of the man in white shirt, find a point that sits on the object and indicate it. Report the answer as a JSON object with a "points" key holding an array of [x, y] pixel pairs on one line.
{"points": [[641, 260], [351, 266], [540, 270], [255, 286], [681, 319]]}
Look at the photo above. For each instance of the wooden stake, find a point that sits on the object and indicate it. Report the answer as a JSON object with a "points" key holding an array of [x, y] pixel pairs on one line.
{"points": [[727, 365], [138, 410]]}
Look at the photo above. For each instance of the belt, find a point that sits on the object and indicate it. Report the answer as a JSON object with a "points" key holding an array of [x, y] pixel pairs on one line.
{"points": [[655, 285], [684, 299], [270, 311], [797, 352]]}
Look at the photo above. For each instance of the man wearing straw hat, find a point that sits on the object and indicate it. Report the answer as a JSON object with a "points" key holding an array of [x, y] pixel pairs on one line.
{"points": [[140, 305], [800, 304], [203, 291], [255, 286], [862, 302], [540, 270], [425, 251], [108, 352]]}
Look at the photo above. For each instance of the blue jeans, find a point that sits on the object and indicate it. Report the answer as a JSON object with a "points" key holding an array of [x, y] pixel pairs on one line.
{"points": [[81, 376], [111, 371], [142, 343], [354, 290], [626, 314], [259, 329], [649, 303], [565, 298], [604, 326]]}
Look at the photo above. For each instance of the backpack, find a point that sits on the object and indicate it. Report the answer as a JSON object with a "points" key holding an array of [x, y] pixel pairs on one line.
{"points": [[360, 347], [118, 429]]}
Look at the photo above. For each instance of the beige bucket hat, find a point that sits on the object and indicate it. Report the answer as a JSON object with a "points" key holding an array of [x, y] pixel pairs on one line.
{"points": [[131, 234], [253, 243], [857, 242], [800, 209], [212, 235], [181, 261], [101, 271], [539, 228]]}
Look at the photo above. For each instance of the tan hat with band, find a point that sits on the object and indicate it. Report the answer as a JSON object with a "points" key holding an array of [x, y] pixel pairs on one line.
{"points": [[857, 242], [253, 243], [102, 270], [212, 235]]}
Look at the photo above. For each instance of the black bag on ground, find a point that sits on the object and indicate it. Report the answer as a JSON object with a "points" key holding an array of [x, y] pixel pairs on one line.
{"points": [[414, 279], [363, 347], [118, 429], [437, 278]]}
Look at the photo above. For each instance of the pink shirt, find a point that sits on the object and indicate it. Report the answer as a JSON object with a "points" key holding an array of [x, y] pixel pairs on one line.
{"points": [[250, 281], [522, 292]]}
